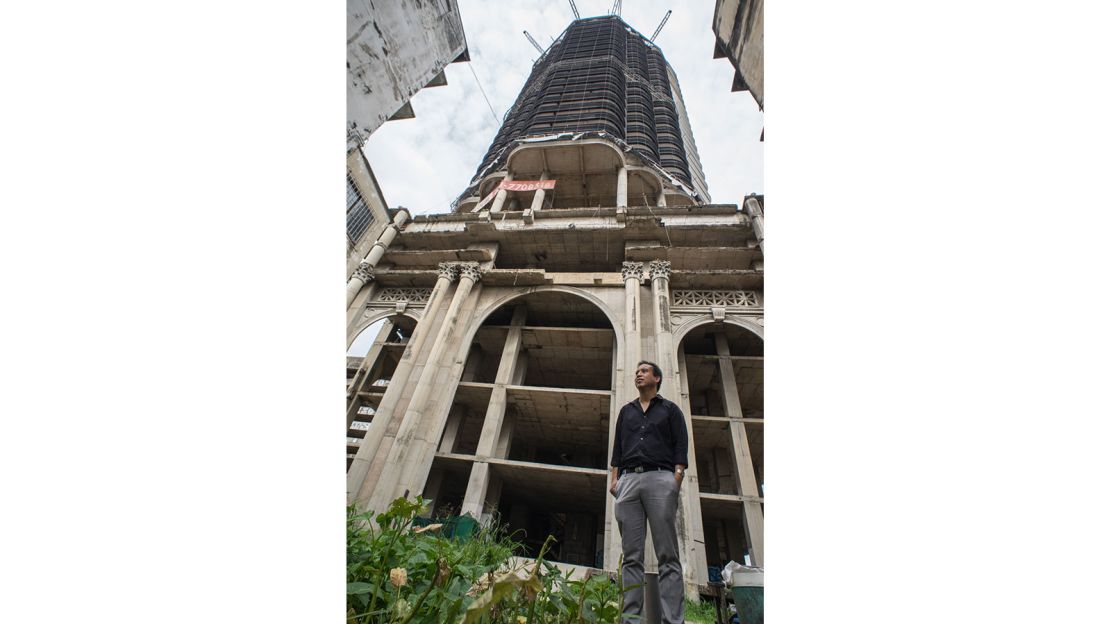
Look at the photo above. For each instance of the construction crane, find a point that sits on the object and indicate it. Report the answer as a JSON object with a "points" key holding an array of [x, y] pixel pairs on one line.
{"points": [[660, 27], [616, 10], [533, 41], [575, 9]]}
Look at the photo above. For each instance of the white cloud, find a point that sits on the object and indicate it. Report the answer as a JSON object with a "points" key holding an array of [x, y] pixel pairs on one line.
{"points": [[424, 163]]}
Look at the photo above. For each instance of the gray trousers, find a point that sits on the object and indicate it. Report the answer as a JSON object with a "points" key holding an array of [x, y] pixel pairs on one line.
{"points": [[650, 497]]}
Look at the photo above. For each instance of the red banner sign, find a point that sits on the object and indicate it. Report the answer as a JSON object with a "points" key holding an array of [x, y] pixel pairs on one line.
{"points": [[515, 185], [527, 185]]}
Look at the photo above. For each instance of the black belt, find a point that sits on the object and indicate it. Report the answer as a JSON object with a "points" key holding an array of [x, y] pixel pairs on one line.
{"points": [[645, 469]]}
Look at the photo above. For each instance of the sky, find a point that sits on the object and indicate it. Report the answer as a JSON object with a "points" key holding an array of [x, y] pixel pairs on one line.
{"points": [[425, 162]]}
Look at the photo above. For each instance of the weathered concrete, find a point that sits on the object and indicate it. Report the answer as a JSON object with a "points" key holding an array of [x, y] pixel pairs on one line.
{"points": [[394, 49], [356, 475], [738, 28]]}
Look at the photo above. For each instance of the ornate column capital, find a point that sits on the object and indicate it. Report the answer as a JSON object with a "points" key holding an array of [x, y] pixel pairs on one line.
{"points": [[660, 268], [632, 270], [364, 272], [471, 270], [448, 270]]}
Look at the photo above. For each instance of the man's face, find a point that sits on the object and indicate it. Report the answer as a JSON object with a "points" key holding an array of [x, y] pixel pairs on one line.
{"points": [[645, 377]]}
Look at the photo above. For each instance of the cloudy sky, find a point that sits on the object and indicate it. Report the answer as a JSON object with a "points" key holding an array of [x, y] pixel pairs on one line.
{"points": [[425, 162]]}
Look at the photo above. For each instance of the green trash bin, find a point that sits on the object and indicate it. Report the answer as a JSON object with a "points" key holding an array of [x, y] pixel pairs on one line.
{"points": [[463, 527], [747, 593]]}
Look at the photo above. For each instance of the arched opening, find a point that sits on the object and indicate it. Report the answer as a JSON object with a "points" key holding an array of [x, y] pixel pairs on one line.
{"points": [[722, 369], [371, 360], [527, 434]]}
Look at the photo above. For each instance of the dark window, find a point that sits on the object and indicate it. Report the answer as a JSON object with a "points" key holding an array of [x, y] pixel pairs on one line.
{"points": [[359, 216]]}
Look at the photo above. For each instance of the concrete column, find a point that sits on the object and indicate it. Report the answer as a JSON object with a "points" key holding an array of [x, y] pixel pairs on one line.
{"points": [[752, 208], [691, 540], [745, 470], [495, 416], [362, 276], [622, 187], [360, 466], [363, 375], [431, 490], [451, 432], [411, 449], [537, 199], [632, 273], [499, 199], [364, 273], [505, 441]]}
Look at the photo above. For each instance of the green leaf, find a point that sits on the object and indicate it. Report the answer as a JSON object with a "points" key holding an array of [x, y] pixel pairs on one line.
{"points": [[359, 588], [503, 586]]}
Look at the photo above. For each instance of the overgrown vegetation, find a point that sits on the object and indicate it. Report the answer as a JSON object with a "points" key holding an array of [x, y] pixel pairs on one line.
{"points": [[703, 612], [402, 574]]}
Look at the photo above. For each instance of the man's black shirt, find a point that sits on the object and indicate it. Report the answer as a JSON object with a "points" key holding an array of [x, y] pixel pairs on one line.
{"points": [[656, 438]]}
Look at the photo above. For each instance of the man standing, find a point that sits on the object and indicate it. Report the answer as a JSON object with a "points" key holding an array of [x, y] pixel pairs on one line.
{"points": [[649, 458]]}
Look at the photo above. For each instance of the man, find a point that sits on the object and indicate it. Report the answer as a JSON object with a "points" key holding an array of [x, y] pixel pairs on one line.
{"points": [[649, 459]]}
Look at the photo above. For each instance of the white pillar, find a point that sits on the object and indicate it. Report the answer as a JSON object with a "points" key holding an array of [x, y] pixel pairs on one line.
{"points": [[661, 199], [475, 498], [362, 276], [360, 467], [537, 199], [366, 369], [751, 206], [407, 457], [364, 272], [622, 187], [692, 553], [499, 200], [745, 469], [632, 273]]}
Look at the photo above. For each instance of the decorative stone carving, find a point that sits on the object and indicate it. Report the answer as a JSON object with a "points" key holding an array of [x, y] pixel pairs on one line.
{"points": [[410, 295], [471, 270], [448, 270], [712, 298], [660, 268], [364, 272], [632, 270]]}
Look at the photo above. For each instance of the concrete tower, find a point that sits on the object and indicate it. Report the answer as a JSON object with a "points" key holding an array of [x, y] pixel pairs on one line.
{"points": [[500, 337]]}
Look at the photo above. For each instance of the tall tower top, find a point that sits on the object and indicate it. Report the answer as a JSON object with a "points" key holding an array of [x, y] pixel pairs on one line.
{"points": [[601, 98]]}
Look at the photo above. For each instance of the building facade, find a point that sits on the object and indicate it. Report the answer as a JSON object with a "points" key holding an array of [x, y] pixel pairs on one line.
{"points": [[503, 335], [738, 30]]}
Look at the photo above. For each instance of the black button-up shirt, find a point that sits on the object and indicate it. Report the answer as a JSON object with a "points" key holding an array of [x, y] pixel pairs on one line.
{"points": [[655, 438]]}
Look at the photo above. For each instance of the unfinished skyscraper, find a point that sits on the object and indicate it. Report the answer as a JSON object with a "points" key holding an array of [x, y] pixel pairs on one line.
{"points": [[502, 335]]}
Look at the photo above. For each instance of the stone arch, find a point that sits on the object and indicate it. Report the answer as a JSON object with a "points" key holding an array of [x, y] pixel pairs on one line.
{"points": [[480, 317], [374, 318], [530, 402], [744, 322], [724, 396]]}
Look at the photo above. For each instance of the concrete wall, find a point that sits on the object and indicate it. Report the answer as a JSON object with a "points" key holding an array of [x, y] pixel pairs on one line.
{"points": [[394, 49], [363, 178], [738, 27]]}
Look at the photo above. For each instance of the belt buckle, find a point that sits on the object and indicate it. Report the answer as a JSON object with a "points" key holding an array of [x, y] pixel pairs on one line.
{"points": [[638, 469]]}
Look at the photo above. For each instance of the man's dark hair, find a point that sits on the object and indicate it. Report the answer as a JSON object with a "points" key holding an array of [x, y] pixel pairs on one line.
{"points": [[655, 370]]}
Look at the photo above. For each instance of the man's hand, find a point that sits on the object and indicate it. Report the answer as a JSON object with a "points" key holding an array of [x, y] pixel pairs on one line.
{"points": [[613, 487], [678, 474]]}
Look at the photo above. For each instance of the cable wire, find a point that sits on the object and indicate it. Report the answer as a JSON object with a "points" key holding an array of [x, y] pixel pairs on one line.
{"points": [[491, 111]]}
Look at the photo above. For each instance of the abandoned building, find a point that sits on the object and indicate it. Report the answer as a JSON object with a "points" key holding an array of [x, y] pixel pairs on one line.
{"points": [[499, 338]]}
